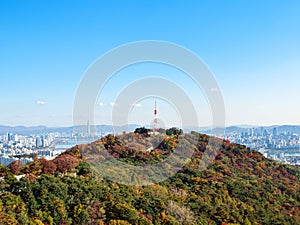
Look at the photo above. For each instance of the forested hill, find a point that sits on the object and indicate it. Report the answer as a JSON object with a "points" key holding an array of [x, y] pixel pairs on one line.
{"points": [[239, 187]]}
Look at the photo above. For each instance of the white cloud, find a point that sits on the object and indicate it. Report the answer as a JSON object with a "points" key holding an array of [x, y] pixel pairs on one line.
{"points": [[113, 104], [100, 104], [40, 102], [136, 105], [214, 89]]}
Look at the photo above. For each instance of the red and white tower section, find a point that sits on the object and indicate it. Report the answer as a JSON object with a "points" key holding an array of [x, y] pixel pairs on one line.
{"points": [[155, 121]]}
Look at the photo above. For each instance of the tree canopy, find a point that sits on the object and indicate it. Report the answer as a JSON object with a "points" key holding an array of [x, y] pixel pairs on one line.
{"points": [[240, 186]]}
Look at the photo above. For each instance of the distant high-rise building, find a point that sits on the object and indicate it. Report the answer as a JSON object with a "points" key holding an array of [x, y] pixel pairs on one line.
{"points": [[275, 131], [9, 136], [38, 142], [88, 129], [252, 132], [16, 138], [43, 141]]}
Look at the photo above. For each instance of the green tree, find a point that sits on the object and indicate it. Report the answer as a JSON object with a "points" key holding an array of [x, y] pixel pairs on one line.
{"points": [[143, 131], [13, 205], [124, 211], [174, 131], [81, 215], [83, 168]]}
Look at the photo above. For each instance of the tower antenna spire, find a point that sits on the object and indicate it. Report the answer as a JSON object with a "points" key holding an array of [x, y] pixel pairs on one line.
{"points": [[155, 121]]}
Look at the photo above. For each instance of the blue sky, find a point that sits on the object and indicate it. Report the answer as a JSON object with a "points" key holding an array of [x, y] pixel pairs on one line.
{"points": [[252, 47]]}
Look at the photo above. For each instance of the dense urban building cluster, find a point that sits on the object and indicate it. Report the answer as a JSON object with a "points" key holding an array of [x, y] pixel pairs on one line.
{"points": [[16, 146], [280, 146]]}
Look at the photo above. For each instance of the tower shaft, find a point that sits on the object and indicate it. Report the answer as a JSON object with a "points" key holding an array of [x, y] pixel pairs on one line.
{"points": [[155, 121]]}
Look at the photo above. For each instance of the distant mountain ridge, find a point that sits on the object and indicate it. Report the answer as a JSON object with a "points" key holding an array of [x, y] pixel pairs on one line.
{"points": [[27, 130], [238, 129], [23, 130]]}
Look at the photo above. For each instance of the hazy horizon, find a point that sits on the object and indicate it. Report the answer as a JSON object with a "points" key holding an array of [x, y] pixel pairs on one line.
{"points": [[146, 125]]}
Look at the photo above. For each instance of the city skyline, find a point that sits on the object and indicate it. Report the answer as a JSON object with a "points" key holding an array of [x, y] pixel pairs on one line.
{"points": [[252, 48]]}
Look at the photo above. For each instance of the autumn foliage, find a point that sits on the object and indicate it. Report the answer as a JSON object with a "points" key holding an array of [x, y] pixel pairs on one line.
{"points": [[239, 186]]}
